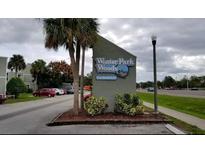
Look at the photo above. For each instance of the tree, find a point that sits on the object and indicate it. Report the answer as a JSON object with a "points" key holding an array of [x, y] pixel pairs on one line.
{"points": [[68, 33], [15, 86], [169, 81], [87, 39], [16, 63], [195, 81], [38, 69], [88, 80], [62, 68], [59, 72]]}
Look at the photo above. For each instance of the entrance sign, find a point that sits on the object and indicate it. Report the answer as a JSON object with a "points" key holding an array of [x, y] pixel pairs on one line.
{"points": [[119, 67], [114, 71]]}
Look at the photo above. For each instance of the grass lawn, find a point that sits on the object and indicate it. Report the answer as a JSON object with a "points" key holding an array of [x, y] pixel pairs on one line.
{"points": [[187, 128], [22, 98], [192, 106]]}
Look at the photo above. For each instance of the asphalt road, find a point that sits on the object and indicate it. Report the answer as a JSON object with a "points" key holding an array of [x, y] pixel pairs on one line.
{"points": [[32, 117], [186, 93]]}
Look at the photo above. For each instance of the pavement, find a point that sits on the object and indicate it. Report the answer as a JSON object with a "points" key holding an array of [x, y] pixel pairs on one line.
{"points": [[200, 123], [184, 93], [32, 117]]}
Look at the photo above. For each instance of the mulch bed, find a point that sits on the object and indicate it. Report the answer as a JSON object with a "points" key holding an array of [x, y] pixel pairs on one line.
{"points": [[68, 118]]}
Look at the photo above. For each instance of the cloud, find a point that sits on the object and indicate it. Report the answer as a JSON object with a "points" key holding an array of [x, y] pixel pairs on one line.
{"points": [[180, 43]]}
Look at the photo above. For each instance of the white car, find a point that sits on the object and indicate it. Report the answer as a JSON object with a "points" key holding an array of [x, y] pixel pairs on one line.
{"points": [[59, 91]]}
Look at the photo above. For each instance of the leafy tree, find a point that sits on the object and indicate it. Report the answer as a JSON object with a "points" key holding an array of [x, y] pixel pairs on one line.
{"points": [[88, 80], [59, 72], [160, 84], [195, 81], [16, 63], [15, 86], [146, 84], [61, 69], [169, 81], [202, 80], [68, 33]]}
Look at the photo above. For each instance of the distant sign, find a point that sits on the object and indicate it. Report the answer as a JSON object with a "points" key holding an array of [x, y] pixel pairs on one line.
{"points": [[119, 67]]}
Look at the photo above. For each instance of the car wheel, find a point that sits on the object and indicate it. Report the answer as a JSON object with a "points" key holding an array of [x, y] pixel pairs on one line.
{"points": [[49, 95]]}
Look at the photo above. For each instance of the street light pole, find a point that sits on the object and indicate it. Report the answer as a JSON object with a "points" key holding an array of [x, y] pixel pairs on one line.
{"points": [[187, 82], [154, 41]]}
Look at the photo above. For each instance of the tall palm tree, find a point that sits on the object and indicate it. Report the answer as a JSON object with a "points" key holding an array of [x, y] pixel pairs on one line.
{"points": [[88, 39], [68, 33], [38, 67], [16, 63]]}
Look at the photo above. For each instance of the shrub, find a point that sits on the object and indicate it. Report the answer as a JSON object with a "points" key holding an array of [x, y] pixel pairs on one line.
{"points": [[94, 106], [130, 105], [15, 86], [127, 98]]}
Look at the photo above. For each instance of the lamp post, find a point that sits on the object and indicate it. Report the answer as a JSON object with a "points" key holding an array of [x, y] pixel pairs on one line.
{"points": [[154, 41], [187, 82]]}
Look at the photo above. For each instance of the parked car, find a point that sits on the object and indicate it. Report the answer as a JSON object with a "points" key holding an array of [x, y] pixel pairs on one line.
{"points": [[59, 91], [70, 90], [49, 92], [62, 92], [2, 98], [150, 89], [194, 88]]}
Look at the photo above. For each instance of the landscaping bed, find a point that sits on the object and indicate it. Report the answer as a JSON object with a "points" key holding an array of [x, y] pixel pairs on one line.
{"points": [[68, 118]]}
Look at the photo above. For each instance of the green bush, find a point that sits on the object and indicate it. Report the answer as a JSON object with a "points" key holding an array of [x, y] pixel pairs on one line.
{"points": [[94, 106], [15, 86], [129, 105]]}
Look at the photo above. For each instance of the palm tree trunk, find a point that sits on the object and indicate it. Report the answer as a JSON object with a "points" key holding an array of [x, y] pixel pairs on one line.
{"points": [[82, 78], [75, 69]]}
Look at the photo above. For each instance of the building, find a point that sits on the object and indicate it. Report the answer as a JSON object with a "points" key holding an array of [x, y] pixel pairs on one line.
{"points": [[26, 76], [114, 71], [6, 75], [3, 81]]}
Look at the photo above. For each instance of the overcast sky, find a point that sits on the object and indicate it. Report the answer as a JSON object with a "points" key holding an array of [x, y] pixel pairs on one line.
{"points": [[180, 44]]}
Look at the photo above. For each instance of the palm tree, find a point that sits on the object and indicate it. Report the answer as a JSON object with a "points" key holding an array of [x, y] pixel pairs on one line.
{"points": [[38, 67], [68, 33], [16, 63], [88, 39]]}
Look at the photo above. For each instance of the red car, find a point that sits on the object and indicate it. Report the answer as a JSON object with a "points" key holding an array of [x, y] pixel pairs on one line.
{"points": [[49, 92], [2, 98]]}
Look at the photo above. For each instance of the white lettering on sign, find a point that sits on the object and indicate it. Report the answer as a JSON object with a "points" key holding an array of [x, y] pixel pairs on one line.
{"points": [[129, 62], [119, 66]]}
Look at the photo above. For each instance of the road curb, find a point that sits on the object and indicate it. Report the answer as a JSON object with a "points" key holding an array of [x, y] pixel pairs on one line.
{"points": [[174, 129]]}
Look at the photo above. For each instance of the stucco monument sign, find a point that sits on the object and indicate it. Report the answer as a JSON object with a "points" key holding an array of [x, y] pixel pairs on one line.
{"points": [[114, 71]]}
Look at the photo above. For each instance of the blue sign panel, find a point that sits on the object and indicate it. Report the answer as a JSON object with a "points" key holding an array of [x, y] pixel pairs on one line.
{"points": [[119, 67], [102, 77]]}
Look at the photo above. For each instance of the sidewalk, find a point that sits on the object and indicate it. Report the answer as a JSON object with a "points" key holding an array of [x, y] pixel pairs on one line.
{"points": [[200, 123]]}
